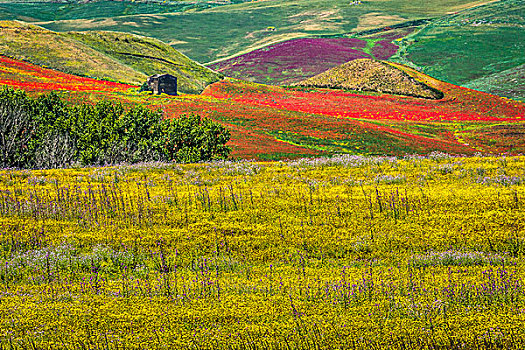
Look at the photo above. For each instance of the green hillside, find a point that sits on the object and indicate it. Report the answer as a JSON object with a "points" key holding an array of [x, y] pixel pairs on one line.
{"points": [[466, 42], [473, 47], [371, 75], [149, 56], [46, 48], [509, 83], [219, 32], [113, 56]]}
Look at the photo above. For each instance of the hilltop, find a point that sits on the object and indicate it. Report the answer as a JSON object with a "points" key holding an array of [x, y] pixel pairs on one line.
{"points": [[371, 75], [43, 47], [123, 57]]}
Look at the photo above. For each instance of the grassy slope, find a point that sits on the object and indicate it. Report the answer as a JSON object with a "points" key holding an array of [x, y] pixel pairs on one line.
{"points": [[371, 75], [269, 122], [149, 56], [504, 137], [115, 56], [227, 30], [509, 83], [46, 48], [467, 47], [295, 60], [292, 61]]}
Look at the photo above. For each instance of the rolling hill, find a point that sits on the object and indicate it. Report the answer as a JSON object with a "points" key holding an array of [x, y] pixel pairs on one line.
{"points": [[294, 60], [479, 48], [49, 10], [509, 83], [371, 75], [45, 48], [113, 56], [466, 42], [149, 56]]}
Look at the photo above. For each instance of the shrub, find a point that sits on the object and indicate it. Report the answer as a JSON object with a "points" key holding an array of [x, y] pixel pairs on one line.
{"points": [[190, 139], [47, 133], [57, 150]]}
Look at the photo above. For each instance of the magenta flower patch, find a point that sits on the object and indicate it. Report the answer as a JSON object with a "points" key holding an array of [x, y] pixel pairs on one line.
{"points": [[294, 60]]}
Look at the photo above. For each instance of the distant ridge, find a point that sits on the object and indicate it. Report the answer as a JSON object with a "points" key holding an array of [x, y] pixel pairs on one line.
{"points": [[374, 76]]}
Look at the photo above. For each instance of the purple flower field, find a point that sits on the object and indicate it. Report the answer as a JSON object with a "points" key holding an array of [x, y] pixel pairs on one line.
{"points": [[384, 49], [292, 61]]}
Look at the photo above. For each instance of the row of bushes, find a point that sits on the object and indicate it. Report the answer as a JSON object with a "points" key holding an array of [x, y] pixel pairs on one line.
{"points": [[47, 132]]}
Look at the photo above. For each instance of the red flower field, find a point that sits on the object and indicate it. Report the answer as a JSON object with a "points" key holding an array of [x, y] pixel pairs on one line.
{"points": [[30, 77], [269, 122]]}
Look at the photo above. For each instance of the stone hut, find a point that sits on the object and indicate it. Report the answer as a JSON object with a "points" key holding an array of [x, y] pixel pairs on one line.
{"points": [[163, 84]]}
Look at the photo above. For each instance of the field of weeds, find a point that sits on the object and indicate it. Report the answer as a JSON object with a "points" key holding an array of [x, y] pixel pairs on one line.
{"points": [[343, 252]]}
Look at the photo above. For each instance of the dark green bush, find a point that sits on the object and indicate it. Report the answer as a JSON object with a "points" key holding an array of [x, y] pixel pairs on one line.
{"points": [[191, 139], [48, 133]]}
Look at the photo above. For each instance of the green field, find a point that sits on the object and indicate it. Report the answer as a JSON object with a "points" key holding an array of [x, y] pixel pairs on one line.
{"points": [[509, 83], [52, 11], [222, 31], [480, 48]]}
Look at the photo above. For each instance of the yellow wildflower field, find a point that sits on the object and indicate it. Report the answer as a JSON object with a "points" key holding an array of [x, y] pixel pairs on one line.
{"points": [[348, 252]]}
